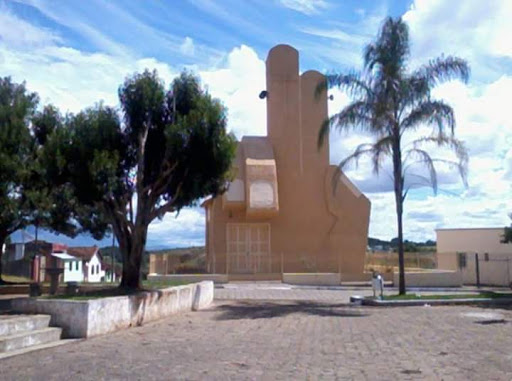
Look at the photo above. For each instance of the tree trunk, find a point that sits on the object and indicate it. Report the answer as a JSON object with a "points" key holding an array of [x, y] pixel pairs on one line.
{"points": [[2, 241], [401, 264], [132, 248], [399, 200]]}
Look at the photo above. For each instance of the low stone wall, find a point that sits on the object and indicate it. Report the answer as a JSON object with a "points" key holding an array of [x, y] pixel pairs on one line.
{"points": [[216, 278], [434, 278], [82, 319], [316, 279], [364, 277]]}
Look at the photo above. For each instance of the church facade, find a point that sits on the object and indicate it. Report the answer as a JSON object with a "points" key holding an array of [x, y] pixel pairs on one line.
{"points": [[280, 213]]}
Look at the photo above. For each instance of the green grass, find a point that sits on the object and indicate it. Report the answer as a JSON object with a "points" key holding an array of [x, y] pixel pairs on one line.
{"points": [[15, 279], [158, 284], [482, 295], [110, 290]]}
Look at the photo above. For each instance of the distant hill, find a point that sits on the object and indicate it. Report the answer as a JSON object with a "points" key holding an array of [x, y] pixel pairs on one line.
{"points": [[376, 243], [373, 242], [193, 250]]}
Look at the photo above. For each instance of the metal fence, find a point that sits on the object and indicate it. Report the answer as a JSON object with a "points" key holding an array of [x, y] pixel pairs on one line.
{"points": [[485, 269], [383, 261]]}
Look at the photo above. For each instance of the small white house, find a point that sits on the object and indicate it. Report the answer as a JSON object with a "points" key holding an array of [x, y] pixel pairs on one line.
{"points": [[92, 267], [112, 274], [72, 267]]}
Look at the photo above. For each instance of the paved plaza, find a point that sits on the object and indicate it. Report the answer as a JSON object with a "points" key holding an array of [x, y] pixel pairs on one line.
{"points": [[289, 340], [282, 291]]}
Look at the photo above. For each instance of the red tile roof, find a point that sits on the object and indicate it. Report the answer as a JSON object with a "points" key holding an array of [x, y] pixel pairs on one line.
{"points": [[83, 252]]}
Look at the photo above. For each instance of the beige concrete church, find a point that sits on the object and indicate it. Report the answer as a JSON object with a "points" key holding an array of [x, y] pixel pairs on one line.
{"points": [[280, 214]]}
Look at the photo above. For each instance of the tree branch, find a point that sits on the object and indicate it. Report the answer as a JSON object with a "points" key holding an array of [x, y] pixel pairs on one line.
{"points": [[167, 207]]}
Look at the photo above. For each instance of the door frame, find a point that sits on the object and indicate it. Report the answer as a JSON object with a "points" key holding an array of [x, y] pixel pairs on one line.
{"points": [[248, 245]]}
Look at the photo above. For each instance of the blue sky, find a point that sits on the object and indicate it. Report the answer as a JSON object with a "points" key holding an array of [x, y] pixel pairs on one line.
{"points": [[75, 53]]}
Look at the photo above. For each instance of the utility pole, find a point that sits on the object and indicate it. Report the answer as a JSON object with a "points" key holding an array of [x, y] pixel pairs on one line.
{"points": [[477, 268], [112, 269]]}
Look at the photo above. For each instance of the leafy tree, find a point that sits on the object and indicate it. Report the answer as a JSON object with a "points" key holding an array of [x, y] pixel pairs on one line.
{"points": [[26, 197], [507, 234], [17, 106], [51, 206], [388, 102], [170, 149]]}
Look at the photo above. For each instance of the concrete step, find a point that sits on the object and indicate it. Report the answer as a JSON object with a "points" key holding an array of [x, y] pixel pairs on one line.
{"points": [[29, 338], [5, 305], [39, 347], [13, 324]]}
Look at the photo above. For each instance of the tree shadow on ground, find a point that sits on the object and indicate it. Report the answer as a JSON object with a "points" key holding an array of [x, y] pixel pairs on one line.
{"points": [[268, 310], [495, 306]]}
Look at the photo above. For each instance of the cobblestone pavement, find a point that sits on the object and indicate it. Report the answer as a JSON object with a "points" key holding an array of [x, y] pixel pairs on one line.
{"points": [[289, 340], [287, 293], [281, 291]]}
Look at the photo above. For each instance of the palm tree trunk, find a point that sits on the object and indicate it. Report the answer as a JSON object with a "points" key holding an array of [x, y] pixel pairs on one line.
{"points": [[399, 200], [401, 264]]}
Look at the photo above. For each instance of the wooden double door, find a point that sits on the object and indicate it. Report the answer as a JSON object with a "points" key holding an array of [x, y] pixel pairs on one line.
{"points": [[248, 246]]}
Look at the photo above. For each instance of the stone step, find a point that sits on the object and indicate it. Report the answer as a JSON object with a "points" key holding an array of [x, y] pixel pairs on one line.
{"points": [[29, 338], [5, 305], [13, 324]]}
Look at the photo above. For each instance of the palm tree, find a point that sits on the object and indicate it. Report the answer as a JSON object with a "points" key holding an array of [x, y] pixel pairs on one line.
{"points": [[389, 102]]}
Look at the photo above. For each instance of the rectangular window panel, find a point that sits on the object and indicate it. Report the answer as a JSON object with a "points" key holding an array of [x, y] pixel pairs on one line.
{"points": [[462, 260]]}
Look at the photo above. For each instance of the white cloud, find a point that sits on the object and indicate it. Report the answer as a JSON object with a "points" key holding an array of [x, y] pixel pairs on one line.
{"points": [[307, 7], [482, 124], [336, 34], [472, 29], [238, 84], [187, 48], [340, 43], [72, 80], [21, 34], [187, 229]]}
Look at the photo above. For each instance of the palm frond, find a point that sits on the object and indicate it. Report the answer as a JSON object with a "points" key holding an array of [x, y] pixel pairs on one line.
{"points": [[424, 181], [357, 115], [443, 69], [389, 52], [324, 131], [413, 89], [361, 150], [430, 112], [354, 84], [457, 146], [381, 147], [424, 158], [377, 150]]}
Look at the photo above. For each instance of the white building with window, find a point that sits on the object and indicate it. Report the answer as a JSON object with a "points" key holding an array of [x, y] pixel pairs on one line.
{"points": [[467, 250], [91, 262], [72, 267]]}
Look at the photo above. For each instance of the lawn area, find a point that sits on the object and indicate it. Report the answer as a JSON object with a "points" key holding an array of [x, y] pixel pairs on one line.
{"points": [[108, 289], [481, 295], [158, 284], [15, 279]]}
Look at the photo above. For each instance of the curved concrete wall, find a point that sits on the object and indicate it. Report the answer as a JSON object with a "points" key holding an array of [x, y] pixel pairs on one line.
{"points": [[82, 319]]}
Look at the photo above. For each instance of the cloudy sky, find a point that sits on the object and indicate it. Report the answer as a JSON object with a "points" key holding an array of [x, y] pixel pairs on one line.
{"points": [[75, 53]]}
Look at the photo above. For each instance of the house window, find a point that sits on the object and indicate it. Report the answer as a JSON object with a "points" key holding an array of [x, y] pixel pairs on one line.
{"points": [[462, 260], [97, 269], [70, 266], [486, 257], [76, 267], [92, 270]]}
